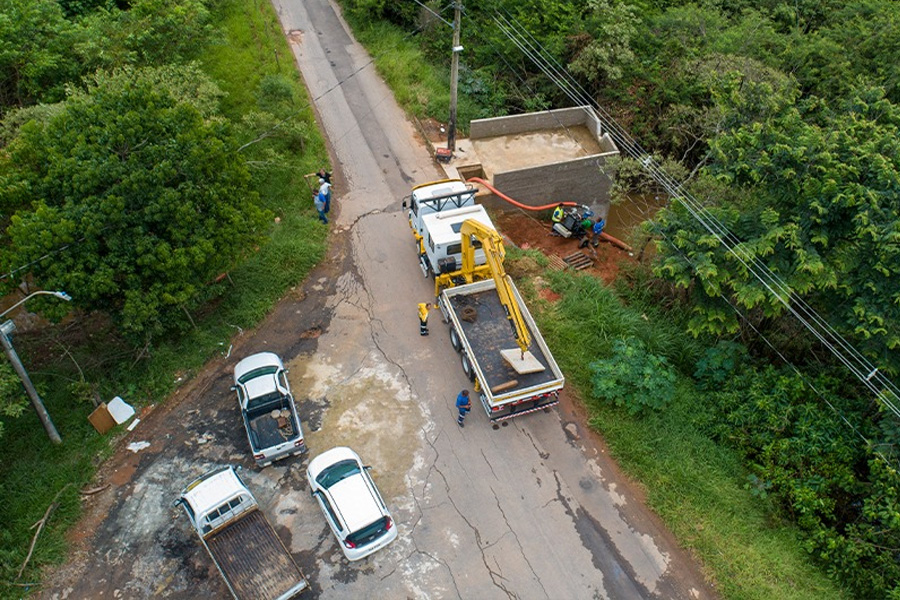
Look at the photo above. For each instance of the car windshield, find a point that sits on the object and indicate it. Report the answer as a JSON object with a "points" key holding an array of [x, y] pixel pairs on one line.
{"points": [[336, 472], [368, 533], [256, 373]]}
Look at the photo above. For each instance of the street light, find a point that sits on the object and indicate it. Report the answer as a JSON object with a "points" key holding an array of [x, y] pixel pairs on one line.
{"points": [[6, 330]]}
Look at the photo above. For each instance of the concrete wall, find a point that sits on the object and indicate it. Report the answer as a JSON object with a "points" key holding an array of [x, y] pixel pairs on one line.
{"points": [[582, 180], [548, 119]]}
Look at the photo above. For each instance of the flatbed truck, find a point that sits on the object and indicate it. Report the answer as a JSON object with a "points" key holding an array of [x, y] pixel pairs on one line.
{"points": [[479, 331], [500, 346]]}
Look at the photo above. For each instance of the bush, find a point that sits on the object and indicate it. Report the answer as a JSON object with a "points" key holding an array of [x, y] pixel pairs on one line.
{"points": [[719, 363], [815, 469], [633, 377]]}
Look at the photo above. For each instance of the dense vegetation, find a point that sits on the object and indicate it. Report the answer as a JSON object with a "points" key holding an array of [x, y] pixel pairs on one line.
{"points": [[783, 119], [146, 149]]}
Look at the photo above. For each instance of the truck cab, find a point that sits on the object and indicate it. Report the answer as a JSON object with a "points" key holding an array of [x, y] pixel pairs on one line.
{"points": [[442, 243], [215, 500], [436, 213]]}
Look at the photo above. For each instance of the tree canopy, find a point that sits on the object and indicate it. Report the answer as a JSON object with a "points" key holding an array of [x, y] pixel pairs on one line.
{"points": [[131, 198]]}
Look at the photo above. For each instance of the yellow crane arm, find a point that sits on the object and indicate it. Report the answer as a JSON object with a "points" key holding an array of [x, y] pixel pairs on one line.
{"points": [[494, 252]]}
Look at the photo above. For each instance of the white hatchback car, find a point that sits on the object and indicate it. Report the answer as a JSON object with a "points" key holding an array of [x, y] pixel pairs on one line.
{"points": [[352, 505]]}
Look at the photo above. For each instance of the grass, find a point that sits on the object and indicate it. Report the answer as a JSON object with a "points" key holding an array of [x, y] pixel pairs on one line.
{"points": [[33, 472], [696, 486], [420, 87]]}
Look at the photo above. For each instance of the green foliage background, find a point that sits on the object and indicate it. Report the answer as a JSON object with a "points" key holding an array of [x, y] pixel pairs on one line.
{"points": [[227, 105]]}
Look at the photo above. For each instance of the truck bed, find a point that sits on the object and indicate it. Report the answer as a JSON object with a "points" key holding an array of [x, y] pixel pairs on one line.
{"points": [[490, 332], [253, 559], [265, 430]]}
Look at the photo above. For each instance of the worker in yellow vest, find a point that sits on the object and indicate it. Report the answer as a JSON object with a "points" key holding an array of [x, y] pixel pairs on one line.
{"points": [[424, 307], [558, 213]]}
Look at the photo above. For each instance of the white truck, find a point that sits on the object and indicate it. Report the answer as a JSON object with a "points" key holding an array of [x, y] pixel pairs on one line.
{"points": [[500, 346], [242, 543], [267, 408]]}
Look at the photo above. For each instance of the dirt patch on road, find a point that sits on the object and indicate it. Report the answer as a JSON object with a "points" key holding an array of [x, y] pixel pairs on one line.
{"points": [[373, 409]]}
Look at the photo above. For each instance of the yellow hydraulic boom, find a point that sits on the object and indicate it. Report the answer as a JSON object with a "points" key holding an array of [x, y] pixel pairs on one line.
{"points": [[494, 252]]}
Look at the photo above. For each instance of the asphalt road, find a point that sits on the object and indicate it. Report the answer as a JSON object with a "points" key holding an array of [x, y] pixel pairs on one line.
{"points": [[534, 509]]}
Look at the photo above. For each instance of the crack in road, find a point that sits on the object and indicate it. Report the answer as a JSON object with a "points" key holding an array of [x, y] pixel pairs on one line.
{"points": [[421, 511], [367, 309], [519, 543], [494, 575], [544, 455], [490, 466]]}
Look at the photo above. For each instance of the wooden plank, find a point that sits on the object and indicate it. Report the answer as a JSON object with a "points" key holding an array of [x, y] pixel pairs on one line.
{"points": [[505, 386], [556, 263]]}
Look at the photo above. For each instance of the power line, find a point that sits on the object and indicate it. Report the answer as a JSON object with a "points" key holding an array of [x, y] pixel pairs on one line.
{"points": [[869, 375]]}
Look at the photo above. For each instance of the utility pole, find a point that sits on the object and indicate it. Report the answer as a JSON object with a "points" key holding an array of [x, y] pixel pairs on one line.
{"points": [[454, 76], [5, 330]]}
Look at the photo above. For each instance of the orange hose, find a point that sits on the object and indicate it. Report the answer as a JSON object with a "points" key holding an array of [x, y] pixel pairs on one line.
{"points": [[614, 241], [500, 194]]}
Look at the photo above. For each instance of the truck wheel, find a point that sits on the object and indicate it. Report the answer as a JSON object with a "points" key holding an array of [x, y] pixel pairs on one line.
{"points": [[467, 367], [454, 340]]}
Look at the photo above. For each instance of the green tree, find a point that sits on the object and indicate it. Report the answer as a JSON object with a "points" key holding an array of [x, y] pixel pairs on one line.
{"points": [[605, 57], [35, 52], [149, 33], [819, 205], [132, 198]]}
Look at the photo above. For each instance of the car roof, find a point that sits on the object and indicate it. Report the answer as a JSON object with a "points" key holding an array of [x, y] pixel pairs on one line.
{"points": [[440, 225], [356, 501], [256, 361], [260, 386], [213, 488], [354, 496]]}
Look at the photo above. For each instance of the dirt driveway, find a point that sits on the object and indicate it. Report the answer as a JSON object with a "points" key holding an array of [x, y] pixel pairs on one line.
{"points": [[534, 509]]}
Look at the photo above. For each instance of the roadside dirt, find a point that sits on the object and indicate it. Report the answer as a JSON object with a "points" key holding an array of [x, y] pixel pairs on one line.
{"points": [[529, 232]]}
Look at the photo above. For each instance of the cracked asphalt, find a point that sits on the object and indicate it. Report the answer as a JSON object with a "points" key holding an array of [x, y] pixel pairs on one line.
{"points": [[532, 509]]}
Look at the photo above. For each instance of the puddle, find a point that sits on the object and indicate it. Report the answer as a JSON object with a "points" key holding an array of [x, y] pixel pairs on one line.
{"points": [[626, 217]]}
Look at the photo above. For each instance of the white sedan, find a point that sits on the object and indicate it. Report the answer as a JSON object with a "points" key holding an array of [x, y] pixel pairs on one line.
{"points": [[351, 503]]}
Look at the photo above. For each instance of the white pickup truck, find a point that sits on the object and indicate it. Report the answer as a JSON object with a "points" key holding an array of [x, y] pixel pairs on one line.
{"points": [[267, 408], [242, 543]]}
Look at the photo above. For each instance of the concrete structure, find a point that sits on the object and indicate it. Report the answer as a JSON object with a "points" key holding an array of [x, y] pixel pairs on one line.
{"points": [[540, 158]]}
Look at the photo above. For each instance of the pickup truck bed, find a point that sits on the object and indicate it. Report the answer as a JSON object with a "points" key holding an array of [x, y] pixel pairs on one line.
{"points": [[253, 559], [266, 431]]}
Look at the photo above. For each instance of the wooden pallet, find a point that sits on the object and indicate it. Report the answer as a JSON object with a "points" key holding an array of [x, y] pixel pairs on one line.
{"points": [[578, 261], [555, 262]]}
